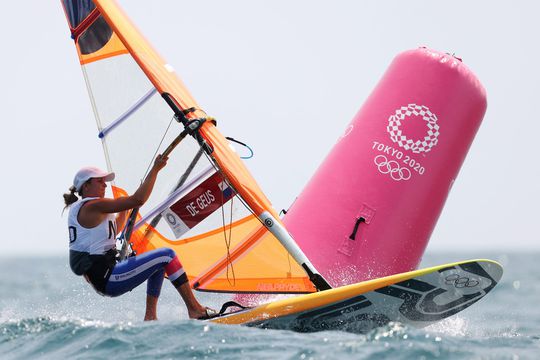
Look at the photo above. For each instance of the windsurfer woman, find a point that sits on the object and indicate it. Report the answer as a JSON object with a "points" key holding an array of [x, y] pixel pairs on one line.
{"points": [[92, 224]]}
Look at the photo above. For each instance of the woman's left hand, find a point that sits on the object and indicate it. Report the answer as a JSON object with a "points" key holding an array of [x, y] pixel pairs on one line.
{"points": [[160, 162]]}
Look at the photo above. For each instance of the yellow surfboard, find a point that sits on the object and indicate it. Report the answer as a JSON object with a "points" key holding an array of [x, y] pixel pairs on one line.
{"points": [[418, 298]]}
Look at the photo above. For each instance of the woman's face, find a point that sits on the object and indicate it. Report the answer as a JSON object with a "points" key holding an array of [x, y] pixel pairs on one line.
{"points": [[95, 187]]}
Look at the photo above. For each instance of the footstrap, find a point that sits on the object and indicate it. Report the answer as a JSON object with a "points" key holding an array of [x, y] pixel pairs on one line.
{"points": [[230, 304]]}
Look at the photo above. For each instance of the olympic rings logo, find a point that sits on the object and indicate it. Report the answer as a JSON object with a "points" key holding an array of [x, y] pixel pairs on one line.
{"points": [[461, 281], [392, 167], [396, 134]]}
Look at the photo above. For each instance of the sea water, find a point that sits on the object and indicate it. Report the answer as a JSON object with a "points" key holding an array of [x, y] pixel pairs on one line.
{"points": [[46, 312]]}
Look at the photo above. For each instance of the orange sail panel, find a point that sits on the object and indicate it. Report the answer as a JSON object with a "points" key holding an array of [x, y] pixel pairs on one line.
{"points": [[227, 249], [253, 261]]}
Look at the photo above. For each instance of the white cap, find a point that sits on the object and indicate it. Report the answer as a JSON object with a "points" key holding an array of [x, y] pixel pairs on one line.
{"points": [[89, 172]]}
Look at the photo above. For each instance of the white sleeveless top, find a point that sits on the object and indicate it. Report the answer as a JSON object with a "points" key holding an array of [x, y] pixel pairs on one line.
{"points": [[94, 241]]}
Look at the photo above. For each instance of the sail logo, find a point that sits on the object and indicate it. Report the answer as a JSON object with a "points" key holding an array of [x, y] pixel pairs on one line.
{"points": [[225, 189], [171, 219], [407, 114], [177, 225]]}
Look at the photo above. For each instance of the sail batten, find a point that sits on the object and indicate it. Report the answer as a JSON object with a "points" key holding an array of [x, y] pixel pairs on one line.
{"points": [[128, 113]]}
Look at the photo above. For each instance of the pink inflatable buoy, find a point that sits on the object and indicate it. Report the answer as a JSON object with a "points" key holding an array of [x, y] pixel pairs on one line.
{"points": [[371, 207]]}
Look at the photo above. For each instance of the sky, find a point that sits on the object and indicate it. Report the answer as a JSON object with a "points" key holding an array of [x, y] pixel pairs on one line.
{"points": [[269, 70]]}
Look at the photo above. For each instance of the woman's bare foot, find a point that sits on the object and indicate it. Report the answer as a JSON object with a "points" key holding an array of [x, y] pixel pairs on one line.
{"points": [[201, 312], [195, 309]]}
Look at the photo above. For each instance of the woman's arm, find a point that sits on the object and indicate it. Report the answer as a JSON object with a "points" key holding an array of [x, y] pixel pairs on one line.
{"points": [[121, 219], [139, 197]]}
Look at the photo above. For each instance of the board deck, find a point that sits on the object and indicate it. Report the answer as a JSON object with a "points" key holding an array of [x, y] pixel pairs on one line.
{"points": [[418, 298]]}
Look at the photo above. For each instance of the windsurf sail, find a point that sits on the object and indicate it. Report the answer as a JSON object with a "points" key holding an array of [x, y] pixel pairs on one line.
{"points": [[205, 204]]}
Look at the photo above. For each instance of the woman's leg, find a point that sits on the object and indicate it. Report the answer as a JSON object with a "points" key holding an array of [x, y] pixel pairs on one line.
{"points": [[178, 278], [151, 266], [153, 289], [151, 308], [130, 273], [195, 309]]}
